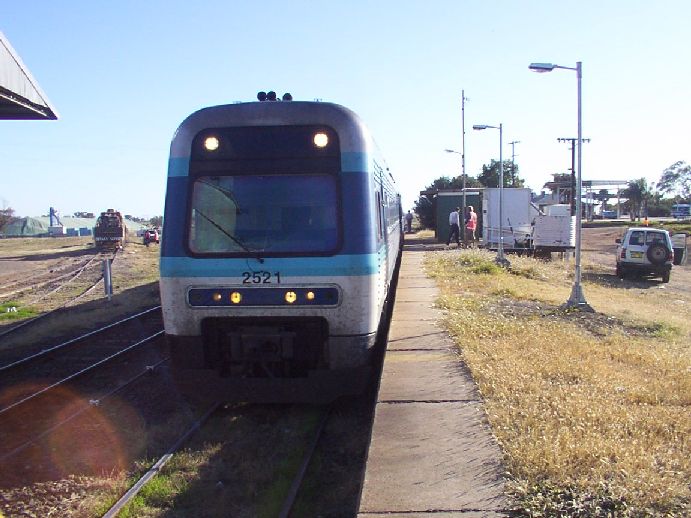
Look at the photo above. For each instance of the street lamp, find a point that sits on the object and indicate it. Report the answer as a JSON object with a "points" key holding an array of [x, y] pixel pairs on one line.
{"points": [[577, 299], [500, 259], [463, 100], [463, 178]]}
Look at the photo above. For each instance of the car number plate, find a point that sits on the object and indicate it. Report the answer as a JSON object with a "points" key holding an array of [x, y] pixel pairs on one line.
{"points": [[636, 255]]}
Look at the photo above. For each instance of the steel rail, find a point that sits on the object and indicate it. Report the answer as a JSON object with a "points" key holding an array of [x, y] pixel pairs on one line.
{"points": [[85, 407], [289, 502], [8, 294], [34, 319], [80, 373], [156, 468], [72, 340], [62, 285]]}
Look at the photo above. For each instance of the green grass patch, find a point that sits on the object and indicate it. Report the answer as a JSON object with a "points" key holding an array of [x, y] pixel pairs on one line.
{"points": [[274, 496], [658, 329], [13, 310]]}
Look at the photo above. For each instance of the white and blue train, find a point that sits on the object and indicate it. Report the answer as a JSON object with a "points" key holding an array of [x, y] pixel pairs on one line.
{"points": [[282, 235]]}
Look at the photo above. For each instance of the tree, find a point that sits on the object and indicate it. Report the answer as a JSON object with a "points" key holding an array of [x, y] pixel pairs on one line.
{"points": [[490, 175], [156, 221], [676, 179], [6, 216], [658, 206], [424, 206], [638, 194], [604, 196]]}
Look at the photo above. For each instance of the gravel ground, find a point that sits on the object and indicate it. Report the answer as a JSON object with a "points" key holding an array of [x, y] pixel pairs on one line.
{"points": [[599, 248]]}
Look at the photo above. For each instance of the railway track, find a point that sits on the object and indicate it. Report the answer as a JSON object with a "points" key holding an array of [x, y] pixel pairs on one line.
{"points": [[35, 281], [296, 483], [53, 285], [36, 388], [78, 411], [14, 364], [53, 279]]}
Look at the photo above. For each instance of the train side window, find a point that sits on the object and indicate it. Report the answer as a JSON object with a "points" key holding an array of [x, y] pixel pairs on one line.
{"points": [[380, 230]]}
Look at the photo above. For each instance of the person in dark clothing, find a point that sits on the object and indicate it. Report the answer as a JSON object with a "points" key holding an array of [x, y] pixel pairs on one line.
{"points": [[454, 229]]}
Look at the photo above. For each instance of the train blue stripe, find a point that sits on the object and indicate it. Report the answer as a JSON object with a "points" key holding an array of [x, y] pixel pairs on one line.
{"points": [[354, 162], [178, 166], [337, 266]]}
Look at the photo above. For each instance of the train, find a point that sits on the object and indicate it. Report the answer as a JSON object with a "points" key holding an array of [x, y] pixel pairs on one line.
{"points": [[110, 232], [282, 238]]}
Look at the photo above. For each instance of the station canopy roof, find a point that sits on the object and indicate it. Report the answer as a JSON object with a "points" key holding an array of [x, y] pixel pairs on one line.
{"points": [[20, 96]]}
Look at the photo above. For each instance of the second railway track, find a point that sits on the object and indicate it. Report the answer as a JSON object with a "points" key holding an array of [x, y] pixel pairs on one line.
{"points": [[56, 362], [31, 292]]}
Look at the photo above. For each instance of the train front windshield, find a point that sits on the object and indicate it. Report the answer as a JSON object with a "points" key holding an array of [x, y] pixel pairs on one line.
{"points": [[264, 214]]}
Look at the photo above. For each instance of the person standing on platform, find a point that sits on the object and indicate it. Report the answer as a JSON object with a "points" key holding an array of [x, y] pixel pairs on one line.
{"points": [[454, 229], [408, 223], [471, 225]]}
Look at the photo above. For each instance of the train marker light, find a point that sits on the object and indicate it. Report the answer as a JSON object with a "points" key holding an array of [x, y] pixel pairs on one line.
{"points": [[321, 140], [211, 143], [261, 96], [291, 297], [287, 97], [310, 295], [235, 297], [271, 96], [217, 297]]}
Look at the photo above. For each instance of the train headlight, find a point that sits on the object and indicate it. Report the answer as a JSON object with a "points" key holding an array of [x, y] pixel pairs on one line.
{"points": [[235, 297], [321, 140], [211, 143], [217, 297], [309, 295], [291, 297]]}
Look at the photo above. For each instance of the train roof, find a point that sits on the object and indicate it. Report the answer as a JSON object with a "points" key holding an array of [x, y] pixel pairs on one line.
{"points": [[20, 96], [353, 133]]}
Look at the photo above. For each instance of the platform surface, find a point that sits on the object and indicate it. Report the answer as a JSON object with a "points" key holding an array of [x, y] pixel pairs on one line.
{"points": [[432, 451]]}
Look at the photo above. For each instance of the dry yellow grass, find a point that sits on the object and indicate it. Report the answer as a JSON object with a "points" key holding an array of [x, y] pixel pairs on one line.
{"points": [[592, 410]]}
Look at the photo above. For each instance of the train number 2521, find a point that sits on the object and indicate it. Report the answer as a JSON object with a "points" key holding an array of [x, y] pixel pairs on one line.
{"points": [[261, 277]]}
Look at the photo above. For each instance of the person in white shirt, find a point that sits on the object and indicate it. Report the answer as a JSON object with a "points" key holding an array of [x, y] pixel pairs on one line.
{"points": [[454, 229]]}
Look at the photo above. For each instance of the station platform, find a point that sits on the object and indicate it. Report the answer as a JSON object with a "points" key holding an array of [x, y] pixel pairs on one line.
{"points": [[431, 451]]}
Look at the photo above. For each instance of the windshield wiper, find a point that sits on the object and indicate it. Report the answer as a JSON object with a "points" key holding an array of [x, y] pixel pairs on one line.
{"points": [[226, 192], [235, 240]]}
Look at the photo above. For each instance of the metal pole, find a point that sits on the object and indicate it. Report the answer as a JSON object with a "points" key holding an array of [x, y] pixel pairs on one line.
{"points": [[465, 241], [577, 298], [513, 160], [107, 279], [500, 250], [573, 177]]}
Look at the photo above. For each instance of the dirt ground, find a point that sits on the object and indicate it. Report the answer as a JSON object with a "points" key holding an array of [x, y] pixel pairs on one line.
{"points": [[23, 258], [19, 259], [598, 249]]}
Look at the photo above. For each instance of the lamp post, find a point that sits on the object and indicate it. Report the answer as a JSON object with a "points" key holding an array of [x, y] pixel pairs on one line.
{"points": [[463, 100], [577, 299], [500, 259]]}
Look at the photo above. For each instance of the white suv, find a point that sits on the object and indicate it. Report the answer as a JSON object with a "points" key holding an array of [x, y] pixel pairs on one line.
{"points": [[645, 251]]}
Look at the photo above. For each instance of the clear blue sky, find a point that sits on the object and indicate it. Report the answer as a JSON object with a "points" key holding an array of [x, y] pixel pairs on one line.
{"points": [[124, 74]]}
